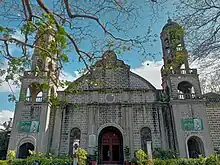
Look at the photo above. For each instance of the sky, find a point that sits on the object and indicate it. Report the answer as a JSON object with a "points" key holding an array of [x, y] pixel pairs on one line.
{"points": [[148, 68]]}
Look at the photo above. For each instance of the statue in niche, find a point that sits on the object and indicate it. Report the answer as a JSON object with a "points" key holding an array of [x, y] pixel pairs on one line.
{"points": [[145, 137], [75, 134]]}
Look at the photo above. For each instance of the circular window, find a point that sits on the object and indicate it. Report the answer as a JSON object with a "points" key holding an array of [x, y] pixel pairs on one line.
{"points": [[109, 97]]}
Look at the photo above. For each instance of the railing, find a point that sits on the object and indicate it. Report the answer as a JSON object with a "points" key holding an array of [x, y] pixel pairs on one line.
{"points": [[179, 71], [34, 74], [37, 100], [184, 96], [28, 99], [190, 71]]}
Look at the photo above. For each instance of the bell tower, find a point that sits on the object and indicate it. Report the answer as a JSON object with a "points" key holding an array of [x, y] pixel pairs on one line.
{"points": [[182, 85], [33, 117]]}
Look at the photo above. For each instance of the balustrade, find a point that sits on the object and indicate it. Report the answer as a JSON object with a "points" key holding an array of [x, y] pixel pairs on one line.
{"points": [[37, 99], [34, 74], [179, 71], [184, 96]]}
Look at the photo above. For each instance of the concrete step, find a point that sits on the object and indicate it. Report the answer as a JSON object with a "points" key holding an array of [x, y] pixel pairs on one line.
{"points": [[109, 164]]}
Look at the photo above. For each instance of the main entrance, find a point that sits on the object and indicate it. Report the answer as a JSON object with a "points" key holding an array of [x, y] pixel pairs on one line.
{"points": [[110, 146]]}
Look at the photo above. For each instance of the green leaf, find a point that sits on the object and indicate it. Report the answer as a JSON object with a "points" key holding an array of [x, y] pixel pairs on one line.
{"points": [[61, 30], [2, 29], [11, 98], [64, 57]]}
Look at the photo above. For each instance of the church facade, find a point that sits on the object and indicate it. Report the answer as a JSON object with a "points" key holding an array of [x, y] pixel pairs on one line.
{"points": [[111, 108]]}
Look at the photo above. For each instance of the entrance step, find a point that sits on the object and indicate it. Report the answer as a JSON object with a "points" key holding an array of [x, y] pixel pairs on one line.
{"points": [[109, 164]]}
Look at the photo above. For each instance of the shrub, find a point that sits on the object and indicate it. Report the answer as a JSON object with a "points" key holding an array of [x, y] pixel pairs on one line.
{"points": [[35, 154], [217, 150], [141, 157], [3, 162], [11, 154], [43, 160], [164, 154], [212, 160], [81, 154]]}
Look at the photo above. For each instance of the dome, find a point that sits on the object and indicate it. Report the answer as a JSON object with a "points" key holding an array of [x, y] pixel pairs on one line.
{"points": [[169, 24]]}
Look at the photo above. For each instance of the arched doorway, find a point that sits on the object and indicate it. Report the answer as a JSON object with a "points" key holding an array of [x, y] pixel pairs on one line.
{"points": [[24, 150], [195, 147], [110, 149]]}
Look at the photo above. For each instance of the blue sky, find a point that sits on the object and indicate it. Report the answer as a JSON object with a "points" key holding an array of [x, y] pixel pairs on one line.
{"points": [[148, 67]]}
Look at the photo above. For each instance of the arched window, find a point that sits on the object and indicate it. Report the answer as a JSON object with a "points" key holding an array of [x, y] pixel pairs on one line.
{"points": [[145, 137], [183, 66], [28, 95], [50, 66], [34, 93], [166, 42], [75, 134], [179, 47], [39, 97]]}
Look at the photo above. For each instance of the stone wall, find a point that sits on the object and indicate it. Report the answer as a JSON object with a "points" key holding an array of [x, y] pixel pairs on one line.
{"points": [[91, 110], [51, 128], [145, 116], [213, 114], [73, 116], [101, 115], [189, 109], [30, 112], [174, 80]]}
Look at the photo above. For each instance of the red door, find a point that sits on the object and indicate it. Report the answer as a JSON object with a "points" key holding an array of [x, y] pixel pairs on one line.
{"points": [[111, 148]]}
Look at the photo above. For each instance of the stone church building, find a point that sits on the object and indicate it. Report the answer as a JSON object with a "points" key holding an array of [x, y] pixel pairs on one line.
{"points": [[111, 108]]}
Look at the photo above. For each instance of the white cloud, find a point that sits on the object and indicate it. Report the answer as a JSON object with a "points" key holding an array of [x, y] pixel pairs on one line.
{"points": [[6, 86], [5, 115], [150, 70], [68, 77], [208, 70], [14, 49], [206, 66], [209, 73], [19, 36]]}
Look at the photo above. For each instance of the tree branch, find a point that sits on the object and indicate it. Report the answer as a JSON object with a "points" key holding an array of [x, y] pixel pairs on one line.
{"points": [[68, 8], [14, 40], [41, 4], [27, 3]]}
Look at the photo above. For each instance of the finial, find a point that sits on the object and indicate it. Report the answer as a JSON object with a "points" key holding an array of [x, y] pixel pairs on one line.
{"points": [[169, 19]]}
